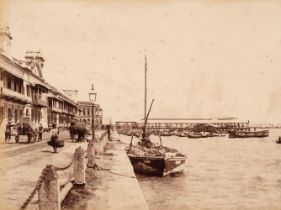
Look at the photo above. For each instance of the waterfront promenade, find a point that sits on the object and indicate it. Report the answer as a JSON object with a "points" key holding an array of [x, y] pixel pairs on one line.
{"points": [[108, 187], [113, 186], [22, 165]]}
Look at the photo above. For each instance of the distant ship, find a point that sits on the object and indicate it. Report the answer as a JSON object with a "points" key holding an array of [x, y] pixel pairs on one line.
{"points": [[149, 159], [248, 133]]}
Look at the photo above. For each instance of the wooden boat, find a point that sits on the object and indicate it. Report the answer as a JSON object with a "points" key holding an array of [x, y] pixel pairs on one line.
{"points": [[195, 135], [166, 133], [149, 159], [216, 135], [248, 134], [156, 161], [182, 134]]}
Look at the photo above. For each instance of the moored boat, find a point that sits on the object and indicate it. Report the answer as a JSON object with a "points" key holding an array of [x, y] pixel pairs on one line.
{"points": [[156, 161], [248, 133], [149, 159], [197, 135], [216, 134]]}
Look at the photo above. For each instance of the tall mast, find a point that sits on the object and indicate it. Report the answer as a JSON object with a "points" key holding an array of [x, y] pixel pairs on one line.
{"points": [[145, 88]]}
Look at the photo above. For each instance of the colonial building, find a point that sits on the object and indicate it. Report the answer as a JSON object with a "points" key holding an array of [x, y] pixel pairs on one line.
{"points": [[62, 110], [23, 90], [25, 95], [85, 113]]}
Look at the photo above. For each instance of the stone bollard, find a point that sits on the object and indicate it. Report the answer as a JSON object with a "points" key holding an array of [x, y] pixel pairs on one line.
{"points": [[48, 194], [79, 167], [98, 148], [91, 155]]}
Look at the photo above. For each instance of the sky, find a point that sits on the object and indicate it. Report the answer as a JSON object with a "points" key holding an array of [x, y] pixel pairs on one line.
{"points": [[206, 58]]}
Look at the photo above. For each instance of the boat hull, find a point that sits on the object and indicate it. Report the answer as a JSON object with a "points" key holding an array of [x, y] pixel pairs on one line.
{"points": [[197, 136], [157, 166], [248, 134]]}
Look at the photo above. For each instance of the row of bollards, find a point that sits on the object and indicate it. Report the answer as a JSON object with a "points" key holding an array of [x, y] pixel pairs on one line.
{"points": [[50, 195]]}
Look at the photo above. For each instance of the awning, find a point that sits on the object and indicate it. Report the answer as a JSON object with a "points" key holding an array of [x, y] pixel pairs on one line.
{"points": [[39, 84]]}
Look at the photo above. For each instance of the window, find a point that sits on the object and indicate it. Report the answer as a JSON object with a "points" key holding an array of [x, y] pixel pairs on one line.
{"points": [[9, 83], [1, 114], [10, 116], [32, 114], [28, 91], [16, 115]]}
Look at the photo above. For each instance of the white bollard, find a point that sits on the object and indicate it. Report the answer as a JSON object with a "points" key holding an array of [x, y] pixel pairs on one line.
{"points": [[91, 155], [97, 146]]}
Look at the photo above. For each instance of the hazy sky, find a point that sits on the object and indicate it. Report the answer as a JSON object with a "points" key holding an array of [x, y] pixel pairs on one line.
{"points": [[205, 58]]}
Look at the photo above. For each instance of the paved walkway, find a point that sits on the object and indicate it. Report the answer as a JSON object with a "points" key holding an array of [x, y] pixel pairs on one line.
{"points": [[117, 188], [22, 164]]}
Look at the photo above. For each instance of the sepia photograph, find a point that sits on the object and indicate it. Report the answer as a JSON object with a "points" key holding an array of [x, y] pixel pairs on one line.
{"points": [[140, 105]]}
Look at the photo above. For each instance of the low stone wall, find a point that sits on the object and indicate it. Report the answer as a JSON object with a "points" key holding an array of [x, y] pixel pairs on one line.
{"points": [[111, 184]]}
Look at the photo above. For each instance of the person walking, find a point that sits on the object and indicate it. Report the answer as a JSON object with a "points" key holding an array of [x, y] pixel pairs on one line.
{"points": [[109, 127], [8, 131], [40, 132], [54, 137]]}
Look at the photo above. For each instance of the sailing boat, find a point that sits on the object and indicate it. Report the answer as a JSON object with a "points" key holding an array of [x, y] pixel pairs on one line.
{"points": [[149, 159]]}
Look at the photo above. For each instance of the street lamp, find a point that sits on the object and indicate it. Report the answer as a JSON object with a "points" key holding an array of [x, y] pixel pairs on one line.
{"points": [[92, 97]]}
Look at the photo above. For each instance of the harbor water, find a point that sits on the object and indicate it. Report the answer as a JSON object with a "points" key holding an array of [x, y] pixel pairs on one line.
{"points": [[220, 173]]}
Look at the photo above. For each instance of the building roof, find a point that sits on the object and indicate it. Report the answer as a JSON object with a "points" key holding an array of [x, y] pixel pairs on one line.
{"points": [[87, 103], [17, 64]]}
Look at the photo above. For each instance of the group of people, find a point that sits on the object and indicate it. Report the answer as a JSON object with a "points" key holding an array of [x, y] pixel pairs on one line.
{"points": [[35, 133], [23, 129]]}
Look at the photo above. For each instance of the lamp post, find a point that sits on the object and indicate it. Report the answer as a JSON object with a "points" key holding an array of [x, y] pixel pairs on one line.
{"points": [[92, 97]]}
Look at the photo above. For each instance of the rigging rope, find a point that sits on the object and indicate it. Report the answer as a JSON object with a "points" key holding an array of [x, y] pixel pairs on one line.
{"points": [[112, 172]]}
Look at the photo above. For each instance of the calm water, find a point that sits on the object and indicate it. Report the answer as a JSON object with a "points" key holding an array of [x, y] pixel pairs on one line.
{"points": [[220, 173]]}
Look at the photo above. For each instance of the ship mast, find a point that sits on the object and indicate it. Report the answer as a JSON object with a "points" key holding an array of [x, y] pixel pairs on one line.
{"points": [[145, 92]]}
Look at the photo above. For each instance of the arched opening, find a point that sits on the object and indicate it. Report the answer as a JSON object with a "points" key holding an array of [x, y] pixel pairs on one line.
{"points": [[40, 115], [1, 114], [26, 112], [32, 115], [16, 115]]}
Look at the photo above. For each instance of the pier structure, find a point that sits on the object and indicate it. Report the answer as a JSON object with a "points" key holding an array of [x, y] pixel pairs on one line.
{"points": [[170, 124]]}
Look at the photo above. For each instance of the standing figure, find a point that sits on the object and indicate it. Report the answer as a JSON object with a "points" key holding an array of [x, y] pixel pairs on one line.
{"points": [[54, 137], [40, 132], [8, 131], [35, 134], [108, 128], [72, 130]]}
